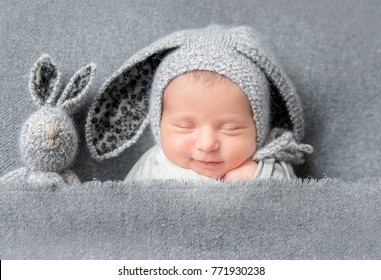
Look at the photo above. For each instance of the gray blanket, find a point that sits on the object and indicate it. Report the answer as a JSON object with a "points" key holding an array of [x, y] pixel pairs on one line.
{"points": [[328, 219], [330, 49]]}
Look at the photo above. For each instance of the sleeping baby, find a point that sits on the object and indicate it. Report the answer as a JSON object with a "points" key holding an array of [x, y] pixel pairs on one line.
{"points": [[218, 106]]}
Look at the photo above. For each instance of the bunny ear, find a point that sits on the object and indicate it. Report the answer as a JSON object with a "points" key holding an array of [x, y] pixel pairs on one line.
{"points": [[286, 106], [118, 114], [77, 89], [44, 80]]}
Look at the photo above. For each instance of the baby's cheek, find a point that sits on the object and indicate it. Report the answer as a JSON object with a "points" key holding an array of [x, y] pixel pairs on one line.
{"points": [[176, 147], [240, 149]]}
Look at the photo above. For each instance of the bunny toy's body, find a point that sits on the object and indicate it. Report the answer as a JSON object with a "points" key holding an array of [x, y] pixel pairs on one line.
{"points": [[49, 139]]}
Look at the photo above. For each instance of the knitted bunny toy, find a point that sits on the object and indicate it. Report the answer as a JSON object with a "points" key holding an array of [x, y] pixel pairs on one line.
{"points": [[49, 140]]}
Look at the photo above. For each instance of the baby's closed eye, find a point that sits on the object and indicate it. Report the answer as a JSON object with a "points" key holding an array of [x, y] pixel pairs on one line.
{"points": [[232, 129], [184, 126]]}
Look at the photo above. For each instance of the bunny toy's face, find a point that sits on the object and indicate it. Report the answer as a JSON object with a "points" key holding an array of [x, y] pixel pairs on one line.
{"points": [[207, 126], [49, 140]]}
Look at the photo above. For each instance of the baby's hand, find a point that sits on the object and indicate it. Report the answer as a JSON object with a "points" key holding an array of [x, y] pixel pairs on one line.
{"points": [[244, 172]]}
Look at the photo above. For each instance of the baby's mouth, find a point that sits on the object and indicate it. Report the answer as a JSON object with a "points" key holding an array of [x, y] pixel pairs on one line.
{"points": [[209, 164]]}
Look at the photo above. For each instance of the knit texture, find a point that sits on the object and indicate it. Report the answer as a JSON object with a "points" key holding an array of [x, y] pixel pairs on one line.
{"points": [[132, 97], [185, 219], [213, 52], [329, 49], [49, 140], [283, 147], [41, 178]]}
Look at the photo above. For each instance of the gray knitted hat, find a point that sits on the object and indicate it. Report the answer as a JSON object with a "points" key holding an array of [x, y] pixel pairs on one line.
{"points": [[132, 97]]}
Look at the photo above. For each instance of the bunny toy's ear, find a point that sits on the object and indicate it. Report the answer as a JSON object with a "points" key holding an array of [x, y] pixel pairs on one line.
{"points": [[44, 80], [119, 113], [286, 107], [77, 89]]}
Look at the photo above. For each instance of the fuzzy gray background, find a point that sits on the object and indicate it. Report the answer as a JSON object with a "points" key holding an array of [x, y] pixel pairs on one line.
{"points": [[332, 52], [330, 49]]}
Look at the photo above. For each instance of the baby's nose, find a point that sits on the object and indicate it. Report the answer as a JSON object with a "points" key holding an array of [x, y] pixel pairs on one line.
{"points": [[207, 141]]}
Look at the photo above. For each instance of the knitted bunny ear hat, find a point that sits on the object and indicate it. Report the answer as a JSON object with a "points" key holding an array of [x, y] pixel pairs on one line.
{"points": [[213, 51], [132, 97]]}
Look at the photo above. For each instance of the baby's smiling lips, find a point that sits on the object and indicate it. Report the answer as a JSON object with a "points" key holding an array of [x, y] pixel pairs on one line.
{"points": [[209, 164]]}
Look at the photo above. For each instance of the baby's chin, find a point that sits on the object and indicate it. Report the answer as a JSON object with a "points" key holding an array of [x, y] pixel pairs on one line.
{"points": [[210, 173], [215, 170]]}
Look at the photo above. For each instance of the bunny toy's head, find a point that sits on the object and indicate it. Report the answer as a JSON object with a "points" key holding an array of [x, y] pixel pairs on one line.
{"points": [[49, 139]]}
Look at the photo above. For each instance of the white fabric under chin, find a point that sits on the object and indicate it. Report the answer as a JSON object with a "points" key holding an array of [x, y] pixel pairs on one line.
{"points": [[155, 165]]}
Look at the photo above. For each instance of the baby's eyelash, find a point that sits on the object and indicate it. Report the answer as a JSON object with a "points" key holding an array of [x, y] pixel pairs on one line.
{"points": [[184, 125], [231, 127], [231, 130]]}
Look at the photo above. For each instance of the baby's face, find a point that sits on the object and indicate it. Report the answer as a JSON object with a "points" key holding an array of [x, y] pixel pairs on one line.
{"points": [[207, 125]]}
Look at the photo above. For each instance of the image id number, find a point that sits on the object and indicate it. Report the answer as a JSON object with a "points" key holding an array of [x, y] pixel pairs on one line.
{"points": [[224, 270]]}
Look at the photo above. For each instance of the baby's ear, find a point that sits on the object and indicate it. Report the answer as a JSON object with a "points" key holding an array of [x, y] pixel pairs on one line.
{"points": [[77, 89], [286, 105], [119, 113], [44, 80]]}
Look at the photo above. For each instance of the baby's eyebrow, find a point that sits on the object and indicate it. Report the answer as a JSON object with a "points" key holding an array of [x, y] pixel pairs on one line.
{"points": [[181, 113], [231, 118], [181, 116]]}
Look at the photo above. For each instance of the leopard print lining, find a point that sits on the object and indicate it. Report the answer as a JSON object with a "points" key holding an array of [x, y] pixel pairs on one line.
{"points": [[123, 107]]}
